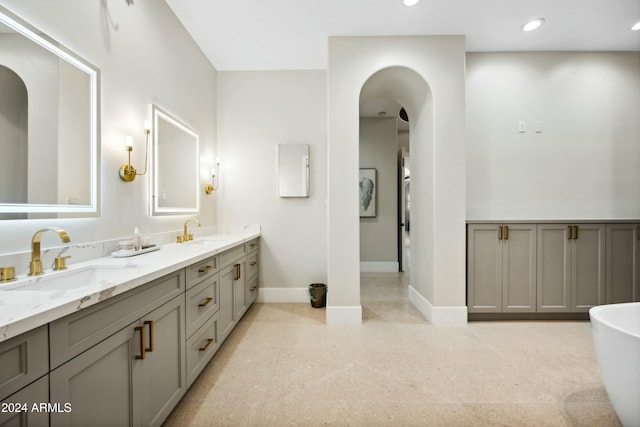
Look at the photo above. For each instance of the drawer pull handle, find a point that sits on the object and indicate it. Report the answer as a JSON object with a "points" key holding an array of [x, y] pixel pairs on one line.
{"points": [[151, 335], [506, 232], [253, 288], [209, 342], [575, 231], [570, 233], [142, 349], [237, 268], [207, 301], [638, 232], [500, 237], [254, 263], [252, 244], [206, 269]]}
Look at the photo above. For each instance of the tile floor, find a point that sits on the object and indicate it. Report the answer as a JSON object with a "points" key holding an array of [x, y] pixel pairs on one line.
{"points": [[283, 366]]}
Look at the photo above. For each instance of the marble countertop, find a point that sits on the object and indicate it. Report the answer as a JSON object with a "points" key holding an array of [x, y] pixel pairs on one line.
{"points": [[32, 301]]}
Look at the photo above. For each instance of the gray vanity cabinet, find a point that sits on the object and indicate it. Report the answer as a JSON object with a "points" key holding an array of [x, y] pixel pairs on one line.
{"points": [[570, 267], [24, 408], [501, 268], [135, 376], [112, 384], [622, 263]]}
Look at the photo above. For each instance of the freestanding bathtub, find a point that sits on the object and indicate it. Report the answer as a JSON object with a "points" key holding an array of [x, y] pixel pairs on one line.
{"points": [[616, 334]]}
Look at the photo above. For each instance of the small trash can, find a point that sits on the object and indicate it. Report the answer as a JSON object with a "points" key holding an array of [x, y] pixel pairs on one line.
{"points": [[318, 294]]}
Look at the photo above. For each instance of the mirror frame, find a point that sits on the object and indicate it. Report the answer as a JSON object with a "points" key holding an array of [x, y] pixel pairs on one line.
{"points": [[158, 113], [24, 28]]}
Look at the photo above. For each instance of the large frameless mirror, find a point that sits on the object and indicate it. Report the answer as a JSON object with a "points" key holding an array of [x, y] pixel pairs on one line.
{"points": [[49, 126], [175, 166]]}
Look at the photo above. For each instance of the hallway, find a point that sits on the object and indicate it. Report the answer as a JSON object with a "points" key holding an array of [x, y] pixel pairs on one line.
{"points": [[283, 366]]}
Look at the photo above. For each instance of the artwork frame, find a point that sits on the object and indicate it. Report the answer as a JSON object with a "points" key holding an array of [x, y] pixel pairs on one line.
{"points": [[368, 189]]}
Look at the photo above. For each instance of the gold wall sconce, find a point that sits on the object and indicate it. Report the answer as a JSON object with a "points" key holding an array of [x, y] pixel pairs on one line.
{"points": [[127, 172], [210, 188]]}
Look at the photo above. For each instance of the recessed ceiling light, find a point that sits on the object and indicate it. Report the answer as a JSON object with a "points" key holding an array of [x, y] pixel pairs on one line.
{"points": [[636, 27], [533, 24], [411, 2]]}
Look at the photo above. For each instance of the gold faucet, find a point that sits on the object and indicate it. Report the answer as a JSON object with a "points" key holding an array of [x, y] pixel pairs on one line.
{"points": [[35, 266], [188, 236]]}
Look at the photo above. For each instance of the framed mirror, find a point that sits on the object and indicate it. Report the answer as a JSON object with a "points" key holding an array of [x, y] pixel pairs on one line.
{"points": [[49, 126], [175, 166], [293, 170]]}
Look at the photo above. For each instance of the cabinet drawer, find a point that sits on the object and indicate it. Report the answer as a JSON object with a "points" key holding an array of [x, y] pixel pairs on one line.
{"points": [[35, 394], [201, 347], [196, 273], [202, 302], [227, 257], [251, 245], [79, 331], [23, 359], [252, 265], [252, 289]]}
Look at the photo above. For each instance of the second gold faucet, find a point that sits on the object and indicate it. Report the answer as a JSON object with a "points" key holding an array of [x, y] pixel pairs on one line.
{"points": [[186, 236]]}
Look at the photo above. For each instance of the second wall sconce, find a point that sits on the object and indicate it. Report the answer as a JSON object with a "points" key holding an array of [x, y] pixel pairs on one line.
{"points": [[127, 172], [210, 188]]}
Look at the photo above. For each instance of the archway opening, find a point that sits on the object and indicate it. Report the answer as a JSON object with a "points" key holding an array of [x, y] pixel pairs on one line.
{"points": [[387, 100]]}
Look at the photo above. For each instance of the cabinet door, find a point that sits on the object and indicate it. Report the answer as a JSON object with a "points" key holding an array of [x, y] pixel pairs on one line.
{"points": [[587, 272], [101, 384], [164, 369], [553, 268], [18, 410], [622, 283], [225, 312], [519, 268], [484, 269]]}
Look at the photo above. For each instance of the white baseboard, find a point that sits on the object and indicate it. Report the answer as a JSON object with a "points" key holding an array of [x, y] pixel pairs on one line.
{"points": [[379, 267], [438, 316], [275, 295], [351, 315]]}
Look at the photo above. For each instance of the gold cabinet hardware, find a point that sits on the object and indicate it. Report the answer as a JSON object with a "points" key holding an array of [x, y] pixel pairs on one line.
{"points": [[570, 228], [506, 232], [253, 245], [209, 342], [151, 335], [206, 302], [142, 354], [575, 232], [253, 288], [638, 232], [254, 263], [7, 274], [500, 236], [205, 269], [237, 271], [60, 263]]}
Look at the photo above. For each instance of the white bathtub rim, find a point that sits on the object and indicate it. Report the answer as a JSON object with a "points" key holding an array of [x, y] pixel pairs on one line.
{"points": [[595, 313]]}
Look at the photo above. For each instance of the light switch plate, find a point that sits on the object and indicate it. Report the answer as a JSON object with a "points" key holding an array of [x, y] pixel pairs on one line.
{"points": [[522, 126]]}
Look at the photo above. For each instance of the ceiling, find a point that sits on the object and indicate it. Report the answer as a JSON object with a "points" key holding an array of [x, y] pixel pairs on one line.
{"points": [[293, 34]]}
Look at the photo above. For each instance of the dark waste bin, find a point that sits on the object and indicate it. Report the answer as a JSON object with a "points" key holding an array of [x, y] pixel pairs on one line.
{"points": [[318, 294]]}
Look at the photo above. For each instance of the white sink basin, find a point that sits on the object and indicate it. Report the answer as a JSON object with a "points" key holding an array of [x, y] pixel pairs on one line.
{"points": [[68, 280]]}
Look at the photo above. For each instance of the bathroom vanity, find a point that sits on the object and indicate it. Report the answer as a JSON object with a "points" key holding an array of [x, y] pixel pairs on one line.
{"points": [[123, 349]]}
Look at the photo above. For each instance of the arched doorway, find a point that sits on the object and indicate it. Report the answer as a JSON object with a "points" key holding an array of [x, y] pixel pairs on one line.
{"points": [[428, 77]]}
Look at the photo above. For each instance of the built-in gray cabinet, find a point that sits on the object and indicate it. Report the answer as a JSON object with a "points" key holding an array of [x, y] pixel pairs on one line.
{"points": [[140, 372], [622, 262], [501, 270], [25, 408], [569, 262], [570, 267]]}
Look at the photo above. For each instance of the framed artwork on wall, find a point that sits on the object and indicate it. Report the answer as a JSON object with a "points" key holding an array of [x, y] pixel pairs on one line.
{"points": [[368, 190]]}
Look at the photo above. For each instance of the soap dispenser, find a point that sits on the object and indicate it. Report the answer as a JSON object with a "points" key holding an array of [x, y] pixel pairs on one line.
{"points": [[137, 239]]}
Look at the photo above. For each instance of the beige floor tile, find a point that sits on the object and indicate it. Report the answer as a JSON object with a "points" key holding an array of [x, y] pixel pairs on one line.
{"points": [[283, 366]]}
